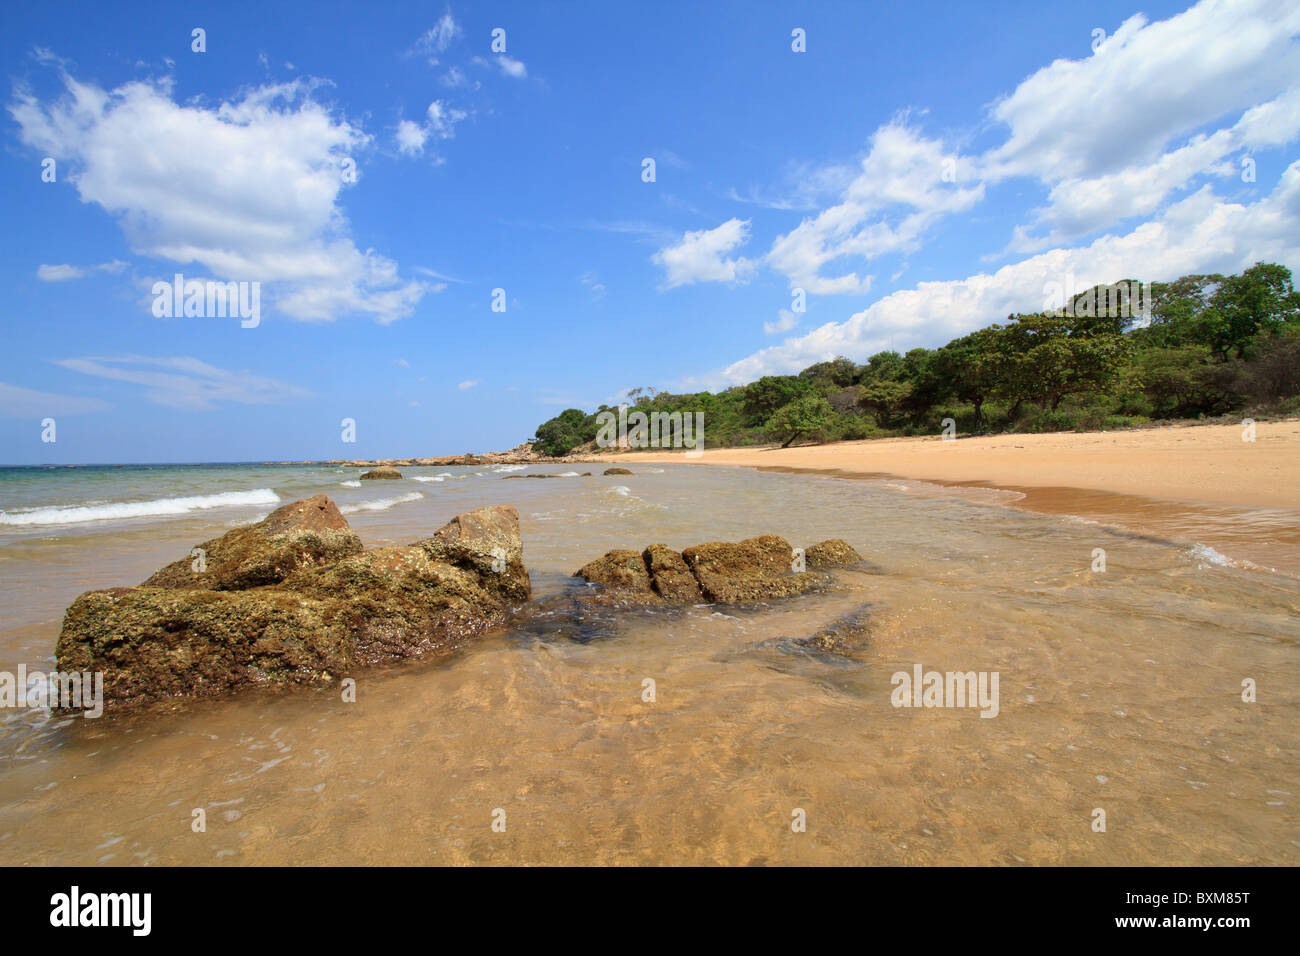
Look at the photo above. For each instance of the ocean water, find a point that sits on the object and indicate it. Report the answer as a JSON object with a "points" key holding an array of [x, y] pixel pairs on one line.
{"points": [[1119, 691]]}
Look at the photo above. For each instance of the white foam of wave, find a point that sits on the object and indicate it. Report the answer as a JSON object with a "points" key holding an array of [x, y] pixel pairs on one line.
{"points": [[1207, 556], [1077, 519], [502, 469], [350, 484], [568, 474], [156, 508], [623, 490], [427, 478], [381, 504]]}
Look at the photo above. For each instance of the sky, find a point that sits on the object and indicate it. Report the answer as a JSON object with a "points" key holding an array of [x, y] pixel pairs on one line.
{"points": [[453, 228]]}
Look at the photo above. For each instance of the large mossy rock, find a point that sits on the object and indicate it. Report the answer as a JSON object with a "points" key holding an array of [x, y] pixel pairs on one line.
{"points": [[487, 543], [309, 620], [300, 534]]}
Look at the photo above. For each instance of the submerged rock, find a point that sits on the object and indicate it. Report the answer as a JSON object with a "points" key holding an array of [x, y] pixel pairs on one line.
{"points": [[846, 635], [616, 471], [383, 471], [306, 619], [300, 534]]}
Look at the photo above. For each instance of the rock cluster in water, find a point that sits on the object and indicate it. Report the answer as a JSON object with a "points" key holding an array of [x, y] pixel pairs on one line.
{"points": [[755, 569], [295, 598]]}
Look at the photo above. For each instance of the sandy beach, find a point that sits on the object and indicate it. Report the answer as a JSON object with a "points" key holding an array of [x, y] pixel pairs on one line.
{"points": [[1200, 482]]}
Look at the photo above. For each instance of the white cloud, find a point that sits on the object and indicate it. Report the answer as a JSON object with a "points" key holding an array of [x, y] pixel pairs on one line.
{"points": [[248, 189], [902, 174], [700, 256], [62, 273], [435, 41], [467, 384], [507, 65], [411, 137], [440, 123], [1146, 85], [512, 67], [592, 282], [185, 382], [1077, 207], [19, 402], [1202, 233], [784, 323]]}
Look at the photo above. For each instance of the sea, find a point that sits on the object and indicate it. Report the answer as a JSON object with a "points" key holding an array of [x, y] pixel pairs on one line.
{"points": [[1148, 686]]}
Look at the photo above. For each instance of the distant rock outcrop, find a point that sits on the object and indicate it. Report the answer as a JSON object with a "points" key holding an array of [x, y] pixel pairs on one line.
{"points": [[295, 598]]}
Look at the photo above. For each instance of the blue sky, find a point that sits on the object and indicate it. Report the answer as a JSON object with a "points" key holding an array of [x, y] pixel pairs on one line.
{"points": [[918, 171]]}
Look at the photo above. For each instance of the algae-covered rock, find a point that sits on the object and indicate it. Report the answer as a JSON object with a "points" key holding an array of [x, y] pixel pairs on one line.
{"points": [[831, 553], [383, 472], [616, 471], [844, 636], [487, 542], [160, 642], [292, 611], [750, 570], [300, 534], [755, 569], [624, 573], [670, 576]]}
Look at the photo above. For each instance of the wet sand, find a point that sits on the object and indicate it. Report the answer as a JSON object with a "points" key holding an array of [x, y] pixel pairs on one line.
{"points": [[1196, 483]]}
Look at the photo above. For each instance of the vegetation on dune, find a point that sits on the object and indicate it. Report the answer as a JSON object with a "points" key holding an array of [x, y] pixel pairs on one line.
{"points": [[1211, 345]]}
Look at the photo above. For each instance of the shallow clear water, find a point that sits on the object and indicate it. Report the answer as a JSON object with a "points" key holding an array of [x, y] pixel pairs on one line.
{"points": [[1119, 691]]}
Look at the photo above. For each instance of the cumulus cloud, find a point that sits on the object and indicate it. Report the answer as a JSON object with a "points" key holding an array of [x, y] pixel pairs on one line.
{"points": [[248, 189], [1202, 233], [701, 256], [470, 383], [1147, 84], [903, 175]]}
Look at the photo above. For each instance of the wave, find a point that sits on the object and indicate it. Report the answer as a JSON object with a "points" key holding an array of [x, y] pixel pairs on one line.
{"points": [[381, 504], [502, 469], [350, 484], [1206, 556], [427, 478], [158, 507]]}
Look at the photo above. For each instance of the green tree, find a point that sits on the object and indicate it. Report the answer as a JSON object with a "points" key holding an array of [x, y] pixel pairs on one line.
{"points": [[807, 415], [885, 399], [769, 393]]}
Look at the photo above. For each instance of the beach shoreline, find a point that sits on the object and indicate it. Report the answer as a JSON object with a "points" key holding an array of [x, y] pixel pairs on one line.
{"points": [[1201, 483]]}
